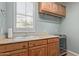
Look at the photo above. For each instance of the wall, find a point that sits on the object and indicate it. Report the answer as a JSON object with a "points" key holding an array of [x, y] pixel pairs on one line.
{"points": [[10, 15], [2, 18], [70, 26], [45, 23]]}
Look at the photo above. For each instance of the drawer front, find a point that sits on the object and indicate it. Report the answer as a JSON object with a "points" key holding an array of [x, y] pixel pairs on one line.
{"points": [[53, 40], [37, 43], [15, 46], [22, 52]]}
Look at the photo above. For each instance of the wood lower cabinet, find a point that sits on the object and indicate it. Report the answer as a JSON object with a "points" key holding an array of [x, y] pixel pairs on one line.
{"points": [[22, 52], [37, 43], [38, 51], [13, 47], [53, 49], [40, 47]]}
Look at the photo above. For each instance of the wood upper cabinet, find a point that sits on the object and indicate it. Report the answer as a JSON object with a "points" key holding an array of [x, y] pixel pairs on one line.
{"points": [[38, 51], [61, 10], [52, 8], [44, 6]]}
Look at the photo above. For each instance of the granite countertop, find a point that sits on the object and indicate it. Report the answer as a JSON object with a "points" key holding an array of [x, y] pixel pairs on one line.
{"points": [[20, 39]]}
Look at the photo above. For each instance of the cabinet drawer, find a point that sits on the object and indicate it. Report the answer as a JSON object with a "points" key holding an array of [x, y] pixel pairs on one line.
{"points": [[54, 44], [53, 40], [22, 52], [37, 43], [14, 46]]}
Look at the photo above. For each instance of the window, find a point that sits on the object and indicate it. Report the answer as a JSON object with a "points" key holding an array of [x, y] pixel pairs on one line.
{"points": [[24, 16]]}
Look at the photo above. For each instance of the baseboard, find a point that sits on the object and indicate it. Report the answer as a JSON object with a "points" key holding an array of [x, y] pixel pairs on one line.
{"points": [[73, 53]]}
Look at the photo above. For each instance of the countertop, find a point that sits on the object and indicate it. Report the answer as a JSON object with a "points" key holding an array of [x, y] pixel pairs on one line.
{"points": [[15, 40]]}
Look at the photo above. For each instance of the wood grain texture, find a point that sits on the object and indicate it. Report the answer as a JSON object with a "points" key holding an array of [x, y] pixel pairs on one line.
{"points": [[43, 47], [53, 40], [37, 43], [11, 47], [22, 52], [61, 10], [52, 9], [53, 49], [38, 51]]}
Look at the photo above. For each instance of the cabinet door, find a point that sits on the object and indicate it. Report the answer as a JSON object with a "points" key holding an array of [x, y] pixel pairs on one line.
{"points": [[53, 49], [54, 8], [61, 10], [38, 51], [45, 6]]}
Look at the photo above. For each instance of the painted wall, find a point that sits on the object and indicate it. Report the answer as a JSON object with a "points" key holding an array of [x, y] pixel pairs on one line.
{"points": [[45, 23], [70, 26], [10, 15], [2, 18]]}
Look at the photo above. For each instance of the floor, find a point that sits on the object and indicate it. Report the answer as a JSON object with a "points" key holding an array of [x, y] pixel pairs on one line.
{"points": [[69, 54]]}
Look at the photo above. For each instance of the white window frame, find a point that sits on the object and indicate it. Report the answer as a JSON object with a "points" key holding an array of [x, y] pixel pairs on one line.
{"points": [[23, 29]]}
